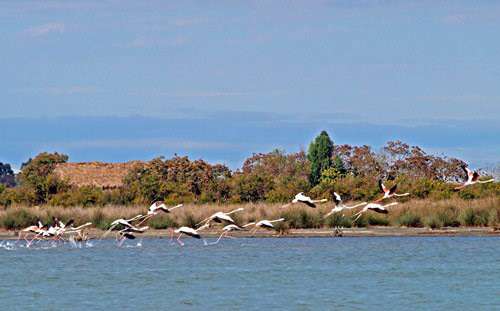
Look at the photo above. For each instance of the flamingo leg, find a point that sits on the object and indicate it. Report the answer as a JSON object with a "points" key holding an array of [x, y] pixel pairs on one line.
{"points": [[254, 230], [179, 240], [358, 215], [220, 237], [144, 220], [171, 232], [36, 237]]}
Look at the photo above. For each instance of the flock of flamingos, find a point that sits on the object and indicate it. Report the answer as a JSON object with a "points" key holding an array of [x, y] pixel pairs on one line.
{"points": [[128, 228]]}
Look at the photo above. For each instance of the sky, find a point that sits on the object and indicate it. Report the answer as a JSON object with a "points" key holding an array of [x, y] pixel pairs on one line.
{"points": [[219, 80]]}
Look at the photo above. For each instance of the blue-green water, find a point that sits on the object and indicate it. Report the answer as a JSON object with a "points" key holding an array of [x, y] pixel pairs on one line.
{"points": [[456, 273]]}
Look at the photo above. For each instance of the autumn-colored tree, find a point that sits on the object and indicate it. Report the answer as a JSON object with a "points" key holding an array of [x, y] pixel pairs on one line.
{"points": [[320, 155], [283, 175]]}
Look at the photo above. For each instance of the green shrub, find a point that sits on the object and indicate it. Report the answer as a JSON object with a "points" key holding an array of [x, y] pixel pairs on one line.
{"points": [[448, 219], [493, 218], [361, 222], [189, 220], [467, 217], [338, 220], [99, 220], [300, 218], [161, 222], [377, 220], [409, 219], [18, 219], [433, 222]]}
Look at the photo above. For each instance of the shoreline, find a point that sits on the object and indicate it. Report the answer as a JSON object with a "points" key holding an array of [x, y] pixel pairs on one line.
{"points": [[374, 231]]}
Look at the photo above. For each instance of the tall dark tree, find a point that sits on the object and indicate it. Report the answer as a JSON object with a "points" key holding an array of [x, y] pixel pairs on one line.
{"points": [[7, 176], [320, 155]]}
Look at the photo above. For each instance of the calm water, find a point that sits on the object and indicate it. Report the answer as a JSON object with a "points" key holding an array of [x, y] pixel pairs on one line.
{"points": [[460, 273]]}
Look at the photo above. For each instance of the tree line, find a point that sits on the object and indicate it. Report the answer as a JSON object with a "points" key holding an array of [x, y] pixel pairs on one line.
{"points": [[352, 171]]}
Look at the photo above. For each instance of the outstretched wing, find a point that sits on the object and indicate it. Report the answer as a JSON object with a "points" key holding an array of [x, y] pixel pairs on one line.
{"points": [[393, 189], [382, 186], [468, 172], [337, 197], [475, 176], [309, 203]]}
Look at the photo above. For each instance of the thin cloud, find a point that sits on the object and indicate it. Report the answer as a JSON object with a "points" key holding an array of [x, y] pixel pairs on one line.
{"points": [[46, 29], [59, 90], [195, 93], [186, 22], [144, 42], [145, 143]]}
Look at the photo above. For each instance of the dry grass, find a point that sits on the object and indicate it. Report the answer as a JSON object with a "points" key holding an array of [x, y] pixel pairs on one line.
{"points": [[415, 213], [104, 175]]}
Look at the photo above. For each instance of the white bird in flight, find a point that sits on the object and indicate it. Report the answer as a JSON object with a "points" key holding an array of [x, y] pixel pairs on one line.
{"points": [[155, 208], [123, 222], [220, 217], [339, 205], [227, 229], [160, 206], [194, 233], [128, 233], [304, 199], [376, 207], [268, 224], [389, 193], [472, 178]]}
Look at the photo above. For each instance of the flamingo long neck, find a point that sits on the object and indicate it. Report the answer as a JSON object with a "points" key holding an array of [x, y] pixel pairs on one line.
{"points": [[277, 220], [203, 227], [486, 181], [174, 207], [320, 201], [235, 210], [357, 205]]}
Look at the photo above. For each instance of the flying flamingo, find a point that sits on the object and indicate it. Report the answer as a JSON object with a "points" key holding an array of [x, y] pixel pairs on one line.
{"points": [[230, 228], [51, 232], [376, 207], [339, 205], [155, 208], [123, 222], [128, 233], [268, 224], [389, 193], [194, 233], [78, 230], [304, 199], [35, 230], [220, 217], [472, 178]]}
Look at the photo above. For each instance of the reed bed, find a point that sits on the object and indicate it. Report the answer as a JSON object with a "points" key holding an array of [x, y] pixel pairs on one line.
{"points": [[413, 213]]}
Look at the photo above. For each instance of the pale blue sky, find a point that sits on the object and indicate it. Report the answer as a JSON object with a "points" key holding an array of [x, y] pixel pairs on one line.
{"points": [[420, 70]]}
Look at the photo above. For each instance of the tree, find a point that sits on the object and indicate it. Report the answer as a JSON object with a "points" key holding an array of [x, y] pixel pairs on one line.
{"points": [[7, 176], [36, 176], [338, 165], [320, 155]]}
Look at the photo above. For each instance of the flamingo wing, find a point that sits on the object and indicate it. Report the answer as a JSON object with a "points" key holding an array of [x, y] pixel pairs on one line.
{"points": [[382, 186], [475, 176], [393, 189], [337, 197], [468, 172]]}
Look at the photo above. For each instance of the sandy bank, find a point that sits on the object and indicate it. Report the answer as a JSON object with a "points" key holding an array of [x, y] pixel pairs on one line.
{"points": [[305, 233]]}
